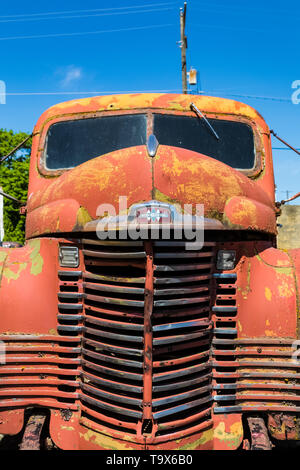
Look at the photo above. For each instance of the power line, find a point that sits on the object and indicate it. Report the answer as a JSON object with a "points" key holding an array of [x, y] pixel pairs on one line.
{"points": [[284, 141], [177, 90], [270, 98], [88, 11], [282, 148], [56, 35], [88, 16], [90, 92], [236, 9], [228, 28]]}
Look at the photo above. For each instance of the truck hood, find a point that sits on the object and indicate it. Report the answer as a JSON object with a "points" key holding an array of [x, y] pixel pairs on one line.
{"points": [[176, 176]]}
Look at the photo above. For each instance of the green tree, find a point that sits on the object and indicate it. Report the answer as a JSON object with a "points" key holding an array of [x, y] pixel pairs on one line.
{"points": [[14, 181]]}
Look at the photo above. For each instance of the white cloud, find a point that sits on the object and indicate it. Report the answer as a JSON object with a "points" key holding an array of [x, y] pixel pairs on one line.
{"points": [[70, 75]]}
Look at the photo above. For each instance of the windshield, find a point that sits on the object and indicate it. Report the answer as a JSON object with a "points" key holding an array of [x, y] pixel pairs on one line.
{"points": [[71, 143], [235, 145]]}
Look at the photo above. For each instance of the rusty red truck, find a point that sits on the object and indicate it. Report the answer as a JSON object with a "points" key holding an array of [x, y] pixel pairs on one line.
{"points": [[115, 343]]}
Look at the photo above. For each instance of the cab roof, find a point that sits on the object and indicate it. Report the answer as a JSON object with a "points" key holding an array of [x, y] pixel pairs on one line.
{"points": [[172, 102]]}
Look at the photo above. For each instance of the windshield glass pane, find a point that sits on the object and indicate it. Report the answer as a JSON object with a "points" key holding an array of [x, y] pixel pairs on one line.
{"points": [[235, 146], [71, 143]]}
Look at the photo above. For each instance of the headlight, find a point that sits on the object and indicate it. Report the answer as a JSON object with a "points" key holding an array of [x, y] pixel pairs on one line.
{"points": [[226, 260], [68, 256]]}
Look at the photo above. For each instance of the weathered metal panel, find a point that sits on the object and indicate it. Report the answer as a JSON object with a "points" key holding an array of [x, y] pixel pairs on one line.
{"points": [[184, 351], [185, 177], [179, 176], [289, 227], [266, 291], [28, 288]]}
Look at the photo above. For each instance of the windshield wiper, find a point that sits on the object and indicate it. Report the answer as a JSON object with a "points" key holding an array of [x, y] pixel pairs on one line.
{"points": [[201, 115]]}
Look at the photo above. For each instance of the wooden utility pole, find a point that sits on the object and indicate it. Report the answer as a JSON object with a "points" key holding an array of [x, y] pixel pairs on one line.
{"points": [[183, 45]]}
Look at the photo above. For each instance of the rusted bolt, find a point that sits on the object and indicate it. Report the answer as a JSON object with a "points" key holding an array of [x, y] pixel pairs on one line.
{"points": [[66, 414]]}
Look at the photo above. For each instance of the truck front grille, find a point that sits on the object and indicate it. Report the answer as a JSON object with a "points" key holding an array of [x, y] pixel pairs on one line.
{"points": [[249, 373], [146, 337], [112, 362], [39, 371], [181, 338]]}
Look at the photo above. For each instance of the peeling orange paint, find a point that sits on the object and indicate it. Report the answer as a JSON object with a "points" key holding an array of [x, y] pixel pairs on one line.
{"points": [[62, 204], [268, 293], [180, 176]]}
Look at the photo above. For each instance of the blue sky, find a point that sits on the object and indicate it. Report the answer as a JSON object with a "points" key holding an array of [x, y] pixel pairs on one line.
{"points": [[241, 49]]}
